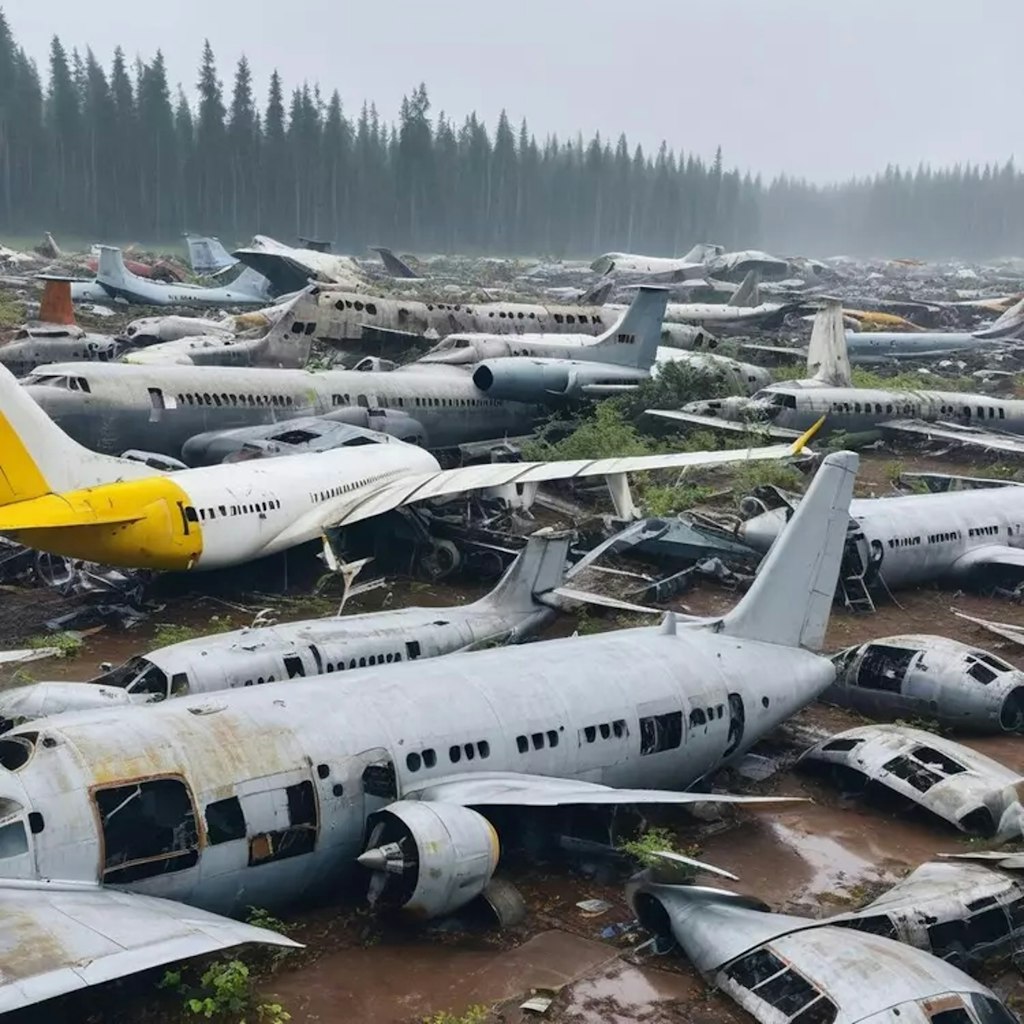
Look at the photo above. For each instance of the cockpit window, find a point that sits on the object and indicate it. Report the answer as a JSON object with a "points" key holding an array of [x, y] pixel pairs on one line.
{"points": [[783, 400], [992, 661], [13, 840], [150, 681]]}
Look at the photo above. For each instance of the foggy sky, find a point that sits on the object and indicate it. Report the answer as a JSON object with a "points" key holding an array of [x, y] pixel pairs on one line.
{"points": [[819, 88]]}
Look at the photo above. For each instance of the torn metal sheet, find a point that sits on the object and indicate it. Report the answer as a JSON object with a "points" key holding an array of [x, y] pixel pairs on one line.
{"points": [[781, 967], [1007, 630], [973, 792], [932, 678]]}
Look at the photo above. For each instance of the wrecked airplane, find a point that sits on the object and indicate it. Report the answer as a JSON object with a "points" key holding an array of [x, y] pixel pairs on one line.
{"points": [[413, 773], [930, 678], [58, 496], [975, 793], [965, 908], [780, 967], [523, 601]]}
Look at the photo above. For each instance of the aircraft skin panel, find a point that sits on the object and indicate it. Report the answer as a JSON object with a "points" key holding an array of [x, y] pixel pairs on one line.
{"points": [[58, 939]]}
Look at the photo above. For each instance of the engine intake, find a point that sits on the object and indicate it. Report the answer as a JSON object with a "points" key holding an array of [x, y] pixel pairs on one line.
{"points": [[428, 858]]}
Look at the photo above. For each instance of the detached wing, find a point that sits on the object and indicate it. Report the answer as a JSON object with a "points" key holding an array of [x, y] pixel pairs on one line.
{"points": [[694, 419], [512, 789], [61, 938]]}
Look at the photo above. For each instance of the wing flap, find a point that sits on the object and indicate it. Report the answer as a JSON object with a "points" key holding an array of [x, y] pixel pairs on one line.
{"points": [[60, 938], [512, 789]]}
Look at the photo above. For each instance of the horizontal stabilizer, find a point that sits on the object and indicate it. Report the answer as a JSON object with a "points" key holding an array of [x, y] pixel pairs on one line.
{"points": [[52, 512], [728, 426], [603, 601], [63, 937]]}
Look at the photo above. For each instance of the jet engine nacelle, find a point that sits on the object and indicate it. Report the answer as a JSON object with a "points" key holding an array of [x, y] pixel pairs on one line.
{"points": [[385, 421], [535, 380], [429, 858]]}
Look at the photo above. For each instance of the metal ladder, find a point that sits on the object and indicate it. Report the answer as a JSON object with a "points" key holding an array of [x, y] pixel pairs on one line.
{"points": [[855, 594]]}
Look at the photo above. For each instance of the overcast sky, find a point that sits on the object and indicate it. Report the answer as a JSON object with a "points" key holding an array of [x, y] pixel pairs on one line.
{"points": [[819, 88]]}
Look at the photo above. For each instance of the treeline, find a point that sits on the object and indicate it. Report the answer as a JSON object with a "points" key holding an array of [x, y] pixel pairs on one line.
{"points": [[110, 153]]}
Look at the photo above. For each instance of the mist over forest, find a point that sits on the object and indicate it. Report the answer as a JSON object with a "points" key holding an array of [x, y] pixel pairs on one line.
{"points": [[109, 152]]}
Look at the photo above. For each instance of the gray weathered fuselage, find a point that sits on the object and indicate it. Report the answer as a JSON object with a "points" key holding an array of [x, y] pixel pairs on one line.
{"points": [[583, 708], [158, 408], [33, 346]]}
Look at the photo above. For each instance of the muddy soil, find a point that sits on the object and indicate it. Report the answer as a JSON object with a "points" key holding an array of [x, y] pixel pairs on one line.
{"points": [[815, 857]]}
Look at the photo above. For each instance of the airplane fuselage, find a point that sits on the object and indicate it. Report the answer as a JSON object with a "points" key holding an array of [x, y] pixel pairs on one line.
{"points": [[257, 796], [158, 408]]}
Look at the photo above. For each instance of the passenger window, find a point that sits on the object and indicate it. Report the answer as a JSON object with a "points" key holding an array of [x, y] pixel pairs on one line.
{"points": [[606, 730], [429, 757], [484, 748], [697, 718], [13, 840], [455, 753], [298, 838], [619, 728], [661, 732], [522, 744], [413, 761], [552, 738], [224, 821], [149, 828], [538, 740]]}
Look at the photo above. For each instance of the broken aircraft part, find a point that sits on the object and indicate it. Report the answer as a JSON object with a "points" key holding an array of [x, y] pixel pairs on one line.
{"points": [[930, 678], [973, 792]]}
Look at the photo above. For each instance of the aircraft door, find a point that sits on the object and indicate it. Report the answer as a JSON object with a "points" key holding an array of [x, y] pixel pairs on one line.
{"points": [[360, 785], [737, 723]]}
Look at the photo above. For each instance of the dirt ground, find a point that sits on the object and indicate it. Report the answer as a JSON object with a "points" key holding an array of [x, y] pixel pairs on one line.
{"points": [[814, 857]]}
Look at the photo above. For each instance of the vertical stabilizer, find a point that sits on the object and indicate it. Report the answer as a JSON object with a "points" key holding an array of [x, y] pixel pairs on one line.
{"points": [[827, 358], [288, 342], [540, 568], [633, 341], [56, 307], [395, 266], [748, 293], [38, 458], [791, 598], [111, 270], [207, 256]]}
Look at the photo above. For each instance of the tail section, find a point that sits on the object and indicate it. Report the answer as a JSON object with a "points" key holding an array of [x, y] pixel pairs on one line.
{"points": [[702, 252], [38, 458], [207, 256], [540, 568], [56, 307], [634, 340], [392, 264], [251, 282], [747, 294], [111, 270], [288, 342], [827, 358], [791, 598]]}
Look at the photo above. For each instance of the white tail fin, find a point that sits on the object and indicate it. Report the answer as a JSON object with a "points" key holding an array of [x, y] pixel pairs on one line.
{"points": [[827, 358], [37, 457], [288, 341], [539, 569], [207, 255], [111, 269], [747, 294], [790, 601], [633, 341]]}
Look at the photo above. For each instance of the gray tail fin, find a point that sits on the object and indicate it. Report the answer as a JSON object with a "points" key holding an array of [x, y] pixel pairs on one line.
{"points": [[791, 598], [111, 269], [283, 345], [392, 264], [539, 568], [702, 252], [252, 282], [633, 341], [207, 255], [747, 294], [597, 294], [827, 358]]}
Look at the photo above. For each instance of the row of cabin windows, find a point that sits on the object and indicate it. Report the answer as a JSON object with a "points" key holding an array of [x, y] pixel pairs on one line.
{"points": [[605, 730], [334, 492], [427, 758], [370, 659], [538, 739], [251, 508], [944, 538], [983, 531], [698, 716], [396, 402], [358, 305], [904, 542], [252, 401]]}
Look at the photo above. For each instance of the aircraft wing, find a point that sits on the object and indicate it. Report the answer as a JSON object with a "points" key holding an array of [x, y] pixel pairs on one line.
{"points": [[729, 426], [990, 440], [513, 789], [1004, 562], [447, 482], [1008, 631], [61, 937]]}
